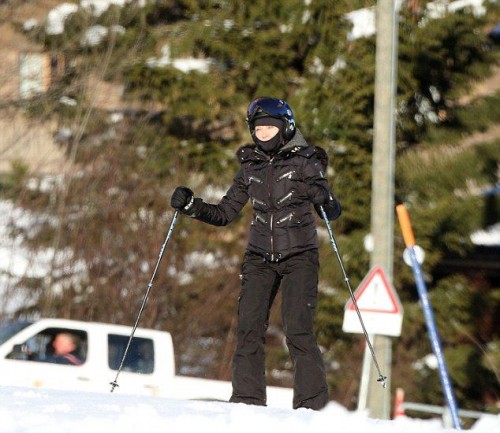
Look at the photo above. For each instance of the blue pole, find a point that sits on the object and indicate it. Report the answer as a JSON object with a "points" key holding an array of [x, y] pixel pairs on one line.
{"points": [[434, 337]]}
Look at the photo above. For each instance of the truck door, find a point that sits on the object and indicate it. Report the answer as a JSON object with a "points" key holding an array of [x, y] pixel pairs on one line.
{"points": [[53, 358], [138, 374]]}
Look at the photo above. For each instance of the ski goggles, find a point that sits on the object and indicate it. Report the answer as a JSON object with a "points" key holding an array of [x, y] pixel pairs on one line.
{"points": [[271, 106]]}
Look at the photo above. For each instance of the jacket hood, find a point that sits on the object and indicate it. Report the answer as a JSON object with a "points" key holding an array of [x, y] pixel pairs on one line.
{"points": [[297, 142]]}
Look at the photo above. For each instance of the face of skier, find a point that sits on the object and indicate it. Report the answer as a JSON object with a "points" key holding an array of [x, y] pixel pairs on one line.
{"points": [[266, 132]]}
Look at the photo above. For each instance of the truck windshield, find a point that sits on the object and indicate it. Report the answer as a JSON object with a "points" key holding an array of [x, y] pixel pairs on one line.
{"points": [[9, 329]]}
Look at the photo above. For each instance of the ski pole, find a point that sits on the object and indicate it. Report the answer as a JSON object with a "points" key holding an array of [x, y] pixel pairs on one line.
{"points": [[381, 377], [409, 238], [114, 384]]}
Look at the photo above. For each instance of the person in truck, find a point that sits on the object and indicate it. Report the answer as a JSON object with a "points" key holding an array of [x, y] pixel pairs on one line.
{"points": [[65, 349]]}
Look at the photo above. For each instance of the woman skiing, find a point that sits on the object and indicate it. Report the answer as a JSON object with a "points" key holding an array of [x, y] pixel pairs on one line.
{"points": [[282, 175]]}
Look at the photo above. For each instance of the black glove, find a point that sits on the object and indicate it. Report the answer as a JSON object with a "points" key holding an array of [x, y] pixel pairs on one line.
{"points": [[332, 209], [316, 194], [182, 199]]}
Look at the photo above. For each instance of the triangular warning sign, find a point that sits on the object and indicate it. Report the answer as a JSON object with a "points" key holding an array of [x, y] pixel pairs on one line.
{"points": [[375, 294], [378, 304]]}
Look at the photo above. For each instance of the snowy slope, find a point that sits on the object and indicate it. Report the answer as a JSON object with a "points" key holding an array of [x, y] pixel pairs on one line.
{"points": [[41, 411]]}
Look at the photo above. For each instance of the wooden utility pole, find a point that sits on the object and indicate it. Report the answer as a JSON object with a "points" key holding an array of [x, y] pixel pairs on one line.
{"points": [[373, 396]]}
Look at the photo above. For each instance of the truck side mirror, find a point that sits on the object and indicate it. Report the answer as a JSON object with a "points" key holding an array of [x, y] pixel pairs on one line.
{"points": [[19, 351]]}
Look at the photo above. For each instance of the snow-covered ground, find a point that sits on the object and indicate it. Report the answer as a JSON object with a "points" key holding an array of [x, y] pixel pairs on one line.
{"points": [[41, 411]]}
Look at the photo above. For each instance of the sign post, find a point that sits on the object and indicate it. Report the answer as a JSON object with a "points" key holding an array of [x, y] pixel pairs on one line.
{"points": [[382, 312], [383, 169]]}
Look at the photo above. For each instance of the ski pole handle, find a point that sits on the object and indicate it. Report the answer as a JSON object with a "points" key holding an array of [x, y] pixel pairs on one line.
{"points": [[405, 223]]}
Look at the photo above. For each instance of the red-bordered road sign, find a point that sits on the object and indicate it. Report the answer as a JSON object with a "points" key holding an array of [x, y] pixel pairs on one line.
{"points": [[379, 304]]}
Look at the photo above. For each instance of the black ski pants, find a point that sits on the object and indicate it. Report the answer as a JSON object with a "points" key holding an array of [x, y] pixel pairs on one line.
{"points": [[298, 278]]}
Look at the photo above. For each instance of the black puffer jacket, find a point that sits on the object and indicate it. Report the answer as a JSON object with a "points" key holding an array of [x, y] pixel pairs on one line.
{"points": [[283, 222]]}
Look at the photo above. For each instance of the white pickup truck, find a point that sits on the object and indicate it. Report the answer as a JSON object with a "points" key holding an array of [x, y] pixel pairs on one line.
{"points": [[149, 368]]}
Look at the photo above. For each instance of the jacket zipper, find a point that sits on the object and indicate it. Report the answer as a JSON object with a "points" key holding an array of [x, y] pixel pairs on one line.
{"points": [[286, 218], [254, 179], [272, 236], [259, 217], [285, 198], [271, 221], [255, 200], [288, 175]]}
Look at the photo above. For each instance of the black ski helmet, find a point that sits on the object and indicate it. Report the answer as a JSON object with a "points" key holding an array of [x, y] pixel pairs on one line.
{"points": [[273, 107]]}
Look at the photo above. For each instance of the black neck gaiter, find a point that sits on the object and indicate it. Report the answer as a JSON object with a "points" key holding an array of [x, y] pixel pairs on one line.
{"points": [[270, 147]]}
